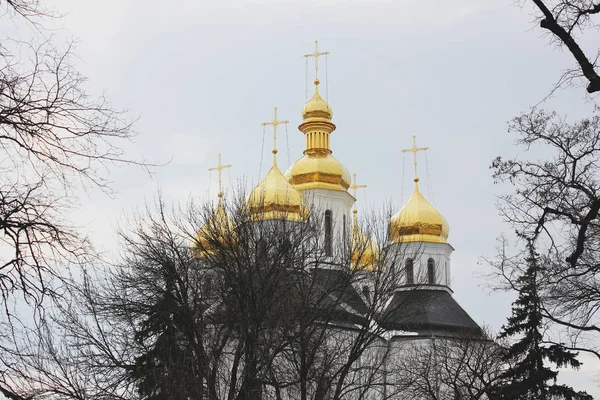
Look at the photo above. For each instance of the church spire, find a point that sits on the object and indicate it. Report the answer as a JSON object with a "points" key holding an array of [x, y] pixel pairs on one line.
{"points": [[317, 114], [318, 169]]}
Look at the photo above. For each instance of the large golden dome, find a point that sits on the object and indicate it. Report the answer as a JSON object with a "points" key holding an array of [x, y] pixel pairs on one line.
{"points": [[318, 169], [218, 228], [275, 198], [418, 221]]}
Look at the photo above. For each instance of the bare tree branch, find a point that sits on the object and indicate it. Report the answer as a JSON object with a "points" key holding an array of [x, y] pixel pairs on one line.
{"points": [[561, 19]]}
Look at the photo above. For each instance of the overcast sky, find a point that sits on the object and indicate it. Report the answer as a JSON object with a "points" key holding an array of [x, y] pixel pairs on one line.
{"points": [[202, 75]]}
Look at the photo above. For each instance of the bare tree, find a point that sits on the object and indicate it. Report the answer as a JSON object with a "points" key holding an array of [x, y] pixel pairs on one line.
{"points": [[565, 20], [556, 202], [241, 309], [55, 142], [30, 9]]}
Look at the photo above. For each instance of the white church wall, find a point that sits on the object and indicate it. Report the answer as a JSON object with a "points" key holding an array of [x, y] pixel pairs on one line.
{"points": [[420, 367], [340, 204], [420, 253]]}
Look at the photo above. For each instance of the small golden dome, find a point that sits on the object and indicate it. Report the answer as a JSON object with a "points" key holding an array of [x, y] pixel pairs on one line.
{"points": [[217, 228], [365, 252], [317, 108], [275, 198], [318, 169], [418, 221]]}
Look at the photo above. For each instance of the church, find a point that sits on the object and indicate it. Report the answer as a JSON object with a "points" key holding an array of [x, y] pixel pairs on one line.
{"points": [[420, 307]]}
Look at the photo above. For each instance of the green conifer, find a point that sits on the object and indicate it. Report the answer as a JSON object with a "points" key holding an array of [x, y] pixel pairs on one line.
{"points": [[529, 376]]}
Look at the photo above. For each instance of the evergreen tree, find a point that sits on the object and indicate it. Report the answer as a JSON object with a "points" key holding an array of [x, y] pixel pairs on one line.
{"points": [[529, 376], [168, 369]]}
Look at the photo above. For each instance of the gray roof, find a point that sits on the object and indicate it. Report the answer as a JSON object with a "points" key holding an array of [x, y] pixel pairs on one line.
{"points": [[428, 312], [346, 305], [339, 284]]}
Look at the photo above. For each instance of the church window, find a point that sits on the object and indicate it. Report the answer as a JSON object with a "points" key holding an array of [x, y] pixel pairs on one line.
{"points": [[431, 271], [328, 233], [410, 273]]}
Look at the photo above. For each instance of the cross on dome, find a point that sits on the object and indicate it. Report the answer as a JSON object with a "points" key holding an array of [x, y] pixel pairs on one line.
{"points": [[316, 55], [219, 168], [275, 122], [414, 150]]}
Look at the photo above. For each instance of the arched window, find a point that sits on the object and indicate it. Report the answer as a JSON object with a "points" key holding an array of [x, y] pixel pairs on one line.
{"points": [[328, 233], [410, 273], [431, 271]]}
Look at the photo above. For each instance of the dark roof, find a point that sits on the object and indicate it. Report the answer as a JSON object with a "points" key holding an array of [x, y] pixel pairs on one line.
{"points": [[339, 284], [335, 298], [428, 312], [345, 304]]}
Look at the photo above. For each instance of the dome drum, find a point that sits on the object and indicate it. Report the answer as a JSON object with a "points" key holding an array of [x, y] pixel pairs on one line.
{"points": [[317, 140]]}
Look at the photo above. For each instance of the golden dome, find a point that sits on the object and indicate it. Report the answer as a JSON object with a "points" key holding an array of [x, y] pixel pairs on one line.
{"points": [[317, 108], [418, 221], [217, 228], [364, 250], [318, 169], [275, 198]]}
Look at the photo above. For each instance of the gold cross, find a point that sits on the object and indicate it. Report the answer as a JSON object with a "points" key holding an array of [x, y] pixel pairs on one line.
{"points": [[316, 55], [414, 150], [354, 187], [275, 122], [219, 168]]}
